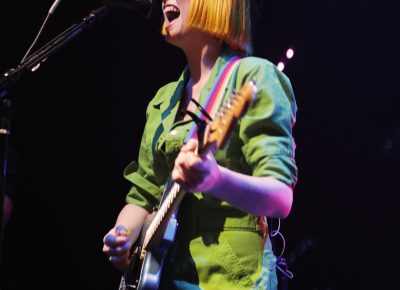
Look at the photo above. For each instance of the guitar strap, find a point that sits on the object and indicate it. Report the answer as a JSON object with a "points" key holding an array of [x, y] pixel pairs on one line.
{"points": [[211, 105], [216, 96]]}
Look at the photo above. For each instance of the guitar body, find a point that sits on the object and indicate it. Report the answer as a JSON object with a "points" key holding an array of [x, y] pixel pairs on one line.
{"points": [[154, 260], [131, 277], [144, 272]]}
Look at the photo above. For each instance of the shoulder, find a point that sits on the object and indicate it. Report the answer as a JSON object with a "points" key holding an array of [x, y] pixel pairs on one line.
{"points": [[271, 82], [256, 62], [253, 65], [265, 73]]}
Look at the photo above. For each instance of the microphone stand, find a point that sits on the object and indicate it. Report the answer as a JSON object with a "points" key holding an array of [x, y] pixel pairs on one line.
{"points": [[10, 77]]}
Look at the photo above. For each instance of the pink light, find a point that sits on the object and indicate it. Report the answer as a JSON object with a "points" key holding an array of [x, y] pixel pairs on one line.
{"points": [[281, 66], [290, 53]]}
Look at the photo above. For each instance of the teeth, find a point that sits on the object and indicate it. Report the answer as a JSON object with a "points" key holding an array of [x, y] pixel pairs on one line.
{"points": [[171, 9]]}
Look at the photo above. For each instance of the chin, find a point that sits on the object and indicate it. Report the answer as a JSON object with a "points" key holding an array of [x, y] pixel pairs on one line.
{"points": [[176, 39]]}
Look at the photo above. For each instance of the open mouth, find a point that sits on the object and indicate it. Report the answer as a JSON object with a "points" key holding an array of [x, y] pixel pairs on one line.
{"points": [[171, 12]]}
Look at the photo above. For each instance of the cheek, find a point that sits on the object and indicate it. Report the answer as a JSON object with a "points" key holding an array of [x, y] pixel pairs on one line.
{"points": [[185, 9]]}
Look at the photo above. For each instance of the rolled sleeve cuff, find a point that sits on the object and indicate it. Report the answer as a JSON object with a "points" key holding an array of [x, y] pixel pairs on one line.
{"points": [[143, 192], [269, 159]]}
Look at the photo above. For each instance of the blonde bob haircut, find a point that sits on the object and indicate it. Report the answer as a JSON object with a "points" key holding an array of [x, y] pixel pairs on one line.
{"points": [[228, 20]]}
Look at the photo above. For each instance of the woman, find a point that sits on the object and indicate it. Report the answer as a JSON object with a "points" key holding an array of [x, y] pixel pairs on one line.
{"points": [[219, 244]]}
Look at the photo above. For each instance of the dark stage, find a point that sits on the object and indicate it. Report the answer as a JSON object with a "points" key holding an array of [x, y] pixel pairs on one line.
{"points": [[79, 118]]}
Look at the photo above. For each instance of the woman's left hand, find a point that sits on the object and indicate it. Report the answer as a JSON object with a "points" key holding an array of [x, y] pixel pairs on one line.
{"points": [[196, 173]]}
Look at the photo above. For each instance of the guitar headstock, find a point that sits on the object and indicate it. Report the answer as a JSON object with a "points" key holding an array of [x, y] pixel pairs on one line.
{"points": [[217, 133]]}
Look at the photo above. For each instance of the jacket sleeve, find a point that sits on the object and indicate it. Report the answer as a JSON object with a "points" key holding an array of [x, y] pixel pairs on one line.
{"points": [[266, 129]]}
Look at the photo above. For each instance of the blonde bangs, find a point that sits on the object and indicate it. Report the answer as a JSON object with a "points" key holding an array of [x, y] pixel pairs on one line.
{"points": [[228, 20]]}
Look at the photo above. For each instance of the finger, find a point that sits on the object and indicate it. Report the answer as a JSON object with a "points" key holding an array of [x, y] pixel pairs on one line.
{"points": [[188, 170], [177, 175], [194, 167], [188, 179], [109, 239], [193, 162], [118, 251], [192, 182], [180, 159], [183, 179], [188, 160], [191, 145], [115, 241]]}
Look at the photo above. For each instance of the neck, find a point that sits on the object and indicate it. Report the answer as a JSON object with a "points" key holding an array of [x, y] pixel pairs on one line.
{"points": [[201, 55]]}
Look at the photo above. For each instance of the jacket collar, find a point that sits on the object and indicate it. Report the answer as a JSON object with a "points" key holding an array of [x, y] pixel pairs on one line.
{"points": [[169, 104]]}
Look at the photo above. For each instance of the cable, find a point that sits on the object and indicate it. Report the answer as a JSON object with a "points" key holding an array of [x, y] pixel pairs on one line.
{"points": [[51, 11], [281, 264], [274, 233]]}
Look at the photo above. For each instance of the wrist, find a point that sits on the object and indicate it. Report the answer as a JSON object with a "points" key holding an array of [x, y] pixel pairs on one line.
{"points": [[219, 181]]}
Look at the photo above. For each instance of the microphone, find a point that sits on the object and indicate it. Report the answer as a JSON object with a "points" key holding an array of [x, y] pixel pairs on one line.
{"points": [[147, 8], [54, 6]]}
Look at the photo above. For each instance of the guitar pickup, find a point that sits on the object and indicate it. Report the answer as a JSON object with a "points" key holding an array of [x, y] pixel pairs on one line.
{"points": [[170, 232]]}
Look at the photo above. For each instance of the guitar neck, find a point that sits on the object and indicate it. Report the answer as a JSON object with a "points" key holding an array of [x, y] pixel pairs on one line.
{"points": [[171, 199]]}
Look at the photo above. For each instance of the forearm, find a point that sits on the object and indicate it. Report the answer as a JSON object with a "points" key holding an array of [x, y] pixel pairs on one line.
{"points": [[263, 196], [132, 217]]}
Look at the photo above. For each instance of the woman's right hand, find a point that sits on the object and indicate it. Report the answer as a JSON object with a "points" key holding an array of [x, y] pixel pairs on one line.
{"points": [[117, 247]]}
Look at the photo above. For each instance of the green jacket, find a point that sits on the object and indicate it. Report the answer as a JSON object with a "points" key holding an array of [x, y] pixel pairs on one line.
{"points": [[218, 246]]}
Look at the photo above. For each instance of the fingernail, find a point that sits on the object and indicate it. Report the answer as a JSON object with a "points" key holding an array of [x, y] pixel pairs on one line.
{"points": [[121, 230], [109, 239]]}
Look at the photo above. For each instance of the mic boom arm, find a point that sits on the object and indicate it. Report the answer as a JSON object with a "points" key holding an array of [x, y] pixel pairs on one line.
{"points": [[31, 63]]}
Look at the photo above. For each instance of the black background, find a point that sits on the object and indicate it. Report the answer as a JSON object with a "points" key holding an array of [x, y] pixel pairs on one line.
{"points": [[79, 118]]}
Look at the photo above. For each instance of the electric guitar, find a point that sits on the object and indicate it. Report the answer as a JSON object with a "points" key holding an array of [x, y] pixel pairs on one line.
{"points": [[148, 254]]}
